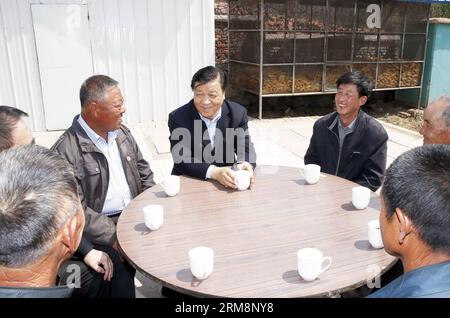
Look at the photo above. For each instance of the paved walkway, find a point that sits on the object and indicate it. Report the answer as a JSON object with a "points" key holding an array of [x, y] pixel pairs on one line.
{"points": [[277, 142]]}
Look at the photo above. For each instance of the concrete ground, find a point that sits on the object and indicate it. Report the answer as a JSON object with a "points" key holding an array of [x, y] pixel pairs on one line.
{"points": [[277, 142]]}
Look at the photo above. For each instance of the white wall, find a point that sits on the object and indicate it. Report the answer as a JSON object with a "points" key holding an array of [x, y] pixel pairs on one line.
{"points": [[152, 47]]}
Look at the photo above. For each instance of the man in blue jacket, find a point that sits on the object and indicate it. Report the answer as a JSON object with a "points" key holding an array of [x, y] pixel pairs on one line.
{"points": [[209, 135], [415, 222], [349, 143]]}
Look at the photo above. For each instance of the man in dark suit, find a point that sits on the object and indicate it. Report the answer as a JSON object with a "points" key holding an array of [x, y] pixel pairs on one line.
{"points": [[209, 135]]}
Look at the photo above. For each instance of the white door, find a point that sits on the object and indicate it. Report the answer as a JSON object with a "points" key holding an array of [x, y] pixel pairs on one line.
{"points": [[65, 59]]}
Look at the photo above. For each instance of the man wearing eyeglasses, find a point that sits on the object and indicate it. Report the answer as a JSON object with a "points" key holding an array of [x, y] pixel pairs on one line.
{"points": [[349, 143]]}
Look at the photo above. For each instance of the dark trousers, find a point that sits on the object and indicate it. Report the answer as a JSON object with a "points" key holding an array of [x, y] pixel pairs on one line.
{"points": [[92, 284]]}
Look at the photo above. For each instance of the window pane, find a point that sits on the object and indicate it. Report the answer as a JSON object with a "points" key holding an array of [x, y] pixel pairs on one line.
{"points": [[411, 74], [308, 78], [339, 47], [309, 47], [388, 75], [333, 73], [311, 15], [278, 47], [279, 15], [390, 47], [244, 14], [244, 46], [366, 46], [244, 76], [277, 80], [414, 47], [340, 15]]}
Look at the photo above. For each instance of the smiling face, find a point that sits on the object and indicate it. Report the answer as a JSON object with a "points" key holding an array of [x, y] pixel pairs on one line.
{"points": [[348, 102], [208, 98], [434, 129]]}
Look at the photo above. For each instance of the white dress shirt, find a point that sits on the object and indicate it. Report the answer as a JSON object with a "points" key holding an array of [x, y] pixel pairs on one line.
{"points": [[211, 125]]}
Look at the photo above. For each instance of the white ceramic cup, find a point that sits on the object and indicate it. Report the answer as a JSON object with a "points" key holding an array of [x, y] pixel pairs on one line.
{"points": [[310, 263], [375, 238], [242, 179], [311, 173], [153, 216], [201, 261], [171, 185], [360, 197]]}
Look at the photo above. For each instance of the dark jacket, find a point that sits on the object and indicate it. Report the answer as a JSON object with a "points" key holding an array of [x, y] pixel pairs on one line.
{"points": [[191, 141], [425, 282], [91, 172], [36, 292], [362, 158]]}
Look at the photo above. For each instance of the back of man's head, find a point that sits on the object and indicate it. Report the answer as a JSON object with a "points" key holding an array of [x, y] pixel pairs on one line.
{"points": [[38, 194], [9, 117], [362, 83], [418, 182], [94, 89]]}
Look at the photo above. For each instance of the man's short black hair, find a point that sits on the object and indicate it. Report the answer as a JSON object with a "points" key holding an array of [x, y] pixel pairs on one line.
{"points": [[94, 89], [418, 182], [362, 82], [9, 116], [208, 74]]}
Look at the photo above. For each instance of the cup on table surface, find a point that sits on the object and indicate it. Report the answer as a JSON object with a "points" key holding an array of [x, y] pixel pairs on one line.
{"points": [[242, 179], [311, 172], [171, 185], [153, 216], [310, 263], [375, 238], [360, 197], [201, 261]]}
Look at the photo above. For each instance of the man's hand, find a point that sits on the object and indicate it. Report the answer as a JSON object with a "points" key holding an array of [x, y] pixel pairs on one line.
{"points": [[247, 166], [225, 176], [100, 262]]}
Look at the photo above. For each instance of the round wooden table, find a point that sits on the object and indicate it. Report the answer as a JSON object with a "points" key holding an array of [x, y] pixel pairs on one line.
{"points": [[255, 235]]}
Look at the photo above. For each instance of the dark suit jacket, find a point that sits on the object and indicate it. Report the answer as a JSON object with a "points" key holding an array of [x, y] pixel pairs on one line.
{"points": [[191, 147]]}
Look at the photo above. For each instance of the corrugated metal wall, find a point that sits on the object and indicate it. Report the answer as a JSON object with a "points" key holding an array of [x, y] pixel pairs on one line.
{"points": [[152, 47]]}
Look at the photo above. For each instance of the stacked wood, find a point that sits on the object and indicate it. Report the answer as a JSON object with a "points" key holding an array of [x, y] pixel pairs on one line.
{"points": [[410, 75], [276, 81], [388, 75]]}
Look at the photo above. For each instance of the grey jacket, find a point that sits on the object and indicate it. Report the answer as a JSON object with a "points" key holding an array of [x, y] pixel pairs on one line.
{"points": [[91, 171]]}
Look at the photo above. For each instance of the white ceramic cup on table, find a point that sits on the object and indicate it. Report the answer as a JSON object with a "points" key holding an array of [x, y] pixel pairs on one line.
{"points": [[310, 263], [360, 197], [153, 216], [375, 238], [171, 185], [201, 261], [311, 172]]}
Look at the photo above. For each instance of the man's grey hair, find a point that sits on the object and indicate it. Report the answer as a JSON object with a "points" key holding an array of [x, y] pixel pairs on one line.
{"points": [[95, 88], [38, 194]]}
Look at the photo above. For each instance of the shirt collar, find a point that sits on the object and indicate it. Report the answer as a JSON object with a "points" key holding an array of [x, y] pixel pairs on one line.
{"points": [[349, 127], [112, 135], [215, 118]]}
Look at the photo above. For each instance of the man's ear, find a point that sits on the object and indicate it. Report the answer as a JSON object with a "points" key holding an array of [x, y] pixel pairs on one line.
{"points": [[71, 233], [405, 226], [362, 100]]}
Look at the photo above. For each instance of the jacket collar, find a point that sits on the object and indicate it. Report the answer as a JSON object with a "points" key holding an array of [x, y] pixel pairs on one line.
{"points": [[86, 143], [335, 117]]}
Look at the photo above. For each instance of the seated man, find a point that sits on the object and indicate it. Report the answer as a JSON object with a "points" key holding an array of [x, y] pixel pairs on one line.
{"points": [[109, 168], [41, 221], [95, 277], [209, 134], [436, 122], [349, 143], [415, 222]]}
